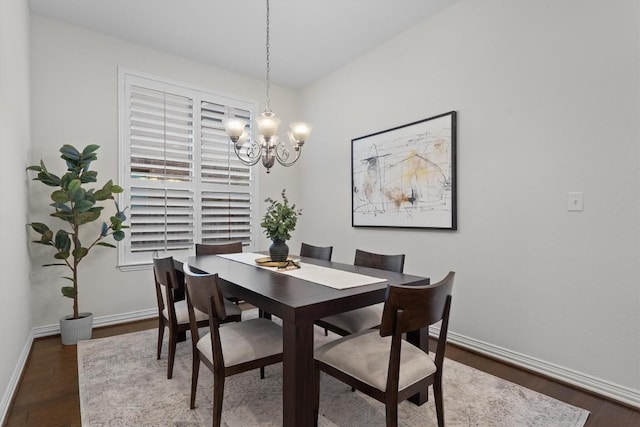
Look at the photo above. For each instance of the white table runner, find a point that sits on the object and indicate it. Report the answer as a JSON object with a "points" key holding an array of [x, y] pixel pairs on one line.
{"points": [[326, 276]]}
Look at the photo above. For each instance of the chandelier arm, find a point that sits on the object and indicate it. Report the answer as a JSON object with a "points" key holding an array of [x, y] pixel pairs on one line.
{"points": [[283, 158], [254, 147]]}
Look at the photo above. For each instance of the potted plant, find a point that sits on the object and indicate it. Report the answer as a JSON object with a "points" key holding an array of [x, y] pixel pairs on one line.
{"points": [[278, 223], [75, 205]]}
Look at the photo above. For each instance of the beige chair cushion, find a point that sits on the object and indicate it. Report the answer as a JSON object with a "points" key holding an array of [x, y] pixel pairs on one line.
{"points": [[365, 356], [182, 312], [357, 320], [245, 341]]}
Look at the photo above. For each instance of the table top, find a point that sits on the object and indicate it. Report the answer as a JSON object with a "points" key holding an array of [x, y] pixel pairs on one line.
{"points": [[294, 299]]}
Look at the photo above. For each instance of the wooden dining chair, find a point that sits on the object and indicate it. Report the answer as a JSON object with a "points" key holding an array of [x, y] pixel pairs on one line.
{"points": [[174, 314], [383, 365], [317, 252], [228, 350], [369, 317], [218, 248]]}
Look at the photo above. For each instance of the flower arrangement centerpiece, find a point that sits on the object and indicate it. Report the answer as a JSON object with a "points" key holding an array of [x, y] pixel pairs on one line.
{"points": [[278, 223]]}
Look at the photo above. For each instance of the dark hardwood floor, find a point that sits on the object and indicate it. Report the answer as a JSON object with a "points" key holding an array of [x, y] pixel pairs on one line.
{"points": [[48, 392]]}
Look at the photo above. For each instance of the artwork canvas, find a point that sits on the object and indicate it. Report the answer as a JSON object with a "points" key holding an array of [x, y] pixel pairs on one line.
{"points": [[406, 176]]}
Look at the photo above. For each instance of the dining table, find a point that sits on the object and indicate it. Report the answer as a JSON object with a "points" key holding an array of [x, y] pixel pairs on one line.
{"points": [[299, 300]]}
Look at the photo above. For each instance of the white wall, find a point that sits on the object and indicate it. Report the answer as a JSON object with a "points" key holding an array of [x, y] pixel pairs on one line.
{"points": [[15, 313], [547, 95], [74, 99]]}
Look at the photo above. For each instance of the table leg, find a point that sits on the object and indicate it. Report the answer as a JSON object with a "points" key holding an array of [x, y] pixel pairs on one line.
{"points": [[420, 339], [297, 367]]}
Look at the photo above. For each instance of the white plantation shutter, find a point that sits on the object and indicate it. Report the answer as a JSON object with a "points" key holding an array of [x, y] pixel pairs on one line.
{"points": [[183, 183]]}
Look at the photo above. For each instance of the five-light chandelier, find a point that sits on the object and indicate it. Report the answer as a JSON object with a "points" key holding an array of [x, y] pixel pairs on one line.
{"points": [[267, 147]]}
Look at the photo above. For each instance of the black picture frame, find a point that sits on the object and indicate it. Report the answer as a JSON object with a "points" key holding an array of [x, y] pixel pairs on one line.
{"points": [[405, 177]]}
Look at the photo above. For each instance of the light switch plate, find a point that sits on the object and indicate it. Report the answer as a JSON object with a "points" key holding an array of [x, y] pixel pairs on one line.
{"points": [[576, 201]]}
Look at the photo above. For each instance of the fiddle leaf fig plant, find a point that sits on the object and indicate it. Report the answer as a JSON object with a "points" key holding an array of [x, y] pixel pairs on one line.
{"points": [[75, 205]]}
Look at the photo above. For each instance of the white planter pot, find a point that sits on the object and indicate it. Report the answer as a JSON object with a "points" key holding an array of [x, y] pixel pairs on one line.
{"points": [[73, 330]]}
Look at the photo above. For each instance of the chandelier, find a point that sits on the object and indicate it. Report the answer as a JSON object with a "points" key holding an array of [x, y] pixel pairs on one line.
{"points": [[267, 147]]}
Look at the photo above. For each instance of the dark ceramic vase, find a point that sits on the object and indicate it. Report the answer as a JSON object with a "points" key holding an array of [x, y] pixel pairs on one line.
{"points": [[279, 251]]}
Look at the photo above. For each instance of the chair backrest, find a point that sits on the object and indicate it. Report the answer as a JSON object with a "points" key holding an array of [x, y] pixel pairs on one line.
{"points": [[204, 294], [382, 262], [166, 280], [317, 252], [220, 248], [421, 305]]}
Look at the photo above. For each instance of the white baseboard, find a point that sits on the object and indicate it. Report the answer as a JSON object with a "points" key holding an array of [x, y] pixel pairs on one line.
{"points": [[114, 319], [15, 379], [598, 386]]}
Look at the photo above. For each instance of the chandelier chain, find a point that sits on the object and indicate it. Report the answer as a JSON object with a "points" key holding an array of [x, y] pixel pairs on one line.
{"points": [[268, 84]]}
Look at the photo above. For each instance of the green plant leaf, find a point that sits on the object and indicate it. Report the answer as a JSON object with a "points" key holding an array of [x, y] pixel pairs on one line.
{"points": [[89, 149], [61, 255], [62, 241], [51, 265], [118, 235], [84, 205], [48, 179], [74, 185], [60, 196], [85, 217], [47, 236], [39, 227], [68, 292], [69, 152], [109, 245], [102, 194], [104, 230], [116, 189], [68, 278], [61, 206], [89, 176], [80, 253], [34, 168]]}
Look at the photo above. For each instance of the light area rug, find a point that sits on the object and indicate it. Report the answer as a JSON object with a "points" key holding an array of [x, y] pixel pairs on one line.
{"points": [[122, 384]]}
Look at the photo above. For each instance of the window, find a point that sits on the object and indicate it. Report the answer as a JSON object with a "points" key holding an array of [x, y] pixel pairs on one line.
{"points": [[183, 184]]}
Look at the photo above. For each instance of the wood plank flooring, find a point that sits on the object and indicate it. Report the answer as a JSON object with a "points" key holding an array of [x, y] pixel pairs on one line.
{"points": [[48, 392]]}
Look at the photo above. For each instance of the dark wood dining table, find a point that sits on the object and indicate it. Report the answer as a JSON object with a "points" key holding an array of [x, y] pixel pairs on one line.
{"points": [[299, 303]]}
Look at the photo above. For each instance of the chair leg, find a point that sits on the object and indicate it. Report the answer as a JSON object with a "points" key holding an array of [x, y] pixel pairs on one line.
{"points": [[173, 340], [261, 372], [160, 335], [218, 394], [195, 370], [392, 414], [437, 393], [326, 332]]}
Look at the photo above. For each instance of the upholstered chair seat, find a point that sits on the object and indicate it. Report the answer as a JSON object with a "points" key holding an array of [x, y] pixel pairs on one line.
{"points": [[245, 341], [365, 356], [357, 320], [182, 312]]}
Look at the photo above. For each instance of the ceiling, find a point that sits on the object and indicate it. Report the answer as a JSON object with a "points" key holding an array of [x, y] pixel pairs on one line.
{"points": [[309, 38]]}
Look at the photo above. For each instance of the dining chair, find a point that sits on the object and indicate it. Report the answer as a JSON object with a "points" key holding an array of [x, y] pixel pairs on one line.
{"points": [[227, 350], [383, 365], [174, 314], [219, 249], [317, 252], [364, 318]]}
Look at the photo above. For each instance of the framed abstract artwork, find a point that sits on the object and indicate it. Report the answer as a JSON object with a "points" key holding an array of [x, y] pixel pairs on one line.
{"points": [[406, 176]]}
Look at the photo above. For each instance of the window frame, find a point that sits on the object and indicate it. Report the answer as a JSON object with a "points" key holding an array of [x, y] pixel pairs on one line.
{"points": [[127, 260]]}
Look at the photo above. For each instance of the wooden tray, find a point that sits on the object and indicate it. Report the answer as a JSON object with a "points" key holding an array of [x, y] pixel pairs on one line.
{"points": [[266, 262]]}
